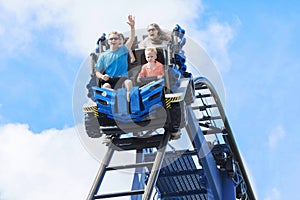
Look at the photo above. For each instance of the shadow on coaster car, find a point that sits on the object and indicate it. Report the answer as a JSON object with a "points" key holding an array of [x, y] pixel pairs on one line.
{"points": [[154, 103]]}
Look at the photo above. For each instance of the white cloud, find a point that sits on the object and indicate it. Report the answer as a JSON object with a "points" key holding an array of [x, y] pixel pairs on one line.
{"points": [[50, 165], [276, 136], [274, 194], [80, 23]]}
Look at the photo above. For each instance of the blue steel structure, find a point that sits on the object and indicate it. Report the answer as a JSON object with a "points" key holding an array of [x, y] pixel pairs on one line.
{"points": [[177, 104]]}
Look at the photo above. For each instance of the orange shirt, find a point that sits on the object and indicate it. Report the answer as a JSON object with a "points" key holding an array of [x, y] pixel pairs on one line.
{"points": [[147, 71]]}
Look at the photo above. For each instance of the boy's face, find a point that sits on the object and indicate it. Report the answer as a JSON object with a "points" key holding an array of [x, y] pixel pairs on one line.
{"points": [[150, 57], [113, 40]]}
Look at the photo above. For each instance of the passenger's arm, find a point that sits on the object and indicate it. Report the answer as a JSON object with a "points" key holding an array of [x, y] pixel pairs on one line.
{"points": [[130, 41], [99, 69], [102, 76]]}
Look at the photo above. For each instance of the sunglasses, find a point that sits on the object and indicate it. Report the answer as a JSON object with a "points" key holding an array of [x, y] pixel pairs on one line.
{"points": [[151, 29], [114, 38]]}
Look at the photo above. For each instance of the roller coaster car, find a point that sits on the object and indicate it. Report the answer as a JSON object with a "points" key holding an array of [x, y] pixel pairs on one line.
{"points": [[154, 103]]}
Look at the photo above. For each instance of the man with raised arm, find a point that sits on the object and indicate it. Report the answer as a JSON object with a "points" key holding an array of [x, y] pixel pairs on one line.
{"points": [[112, 65]]}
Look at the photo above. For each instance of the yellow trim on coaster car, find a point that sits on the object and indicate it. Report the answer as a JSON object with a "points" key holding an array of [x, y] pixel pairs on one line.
{"points": [[172, 98]]}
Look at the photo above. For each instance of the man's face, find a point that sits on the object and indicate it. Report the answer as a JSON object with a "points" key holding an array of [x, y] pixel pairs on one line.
{"points": [[113, 40]]}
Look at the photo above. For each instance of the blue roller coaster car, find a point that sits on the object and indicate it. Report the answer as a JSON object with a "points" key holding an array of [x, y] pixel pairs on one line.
{"points": [[154, 103]]}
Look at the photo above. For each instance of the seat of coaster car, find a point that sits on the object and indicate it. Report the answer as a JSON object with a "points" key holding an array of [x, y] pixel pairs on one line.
{"points": [[145, 102], [135, 68]]}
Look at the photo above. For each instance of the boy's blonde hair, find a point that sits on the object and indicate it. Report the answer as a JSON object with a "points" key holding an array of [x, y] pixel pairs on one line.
{"points": [[151, 49]]}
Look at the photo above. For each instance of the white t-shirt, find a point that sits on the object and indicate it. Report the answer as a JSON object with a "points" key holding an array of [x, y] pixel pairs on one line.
{"points": [[147, 43]]}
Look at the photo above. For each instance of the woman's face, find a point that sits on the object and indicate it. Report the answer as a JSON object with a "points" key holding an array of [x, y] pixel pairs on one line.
{"points": [[152, 32]]}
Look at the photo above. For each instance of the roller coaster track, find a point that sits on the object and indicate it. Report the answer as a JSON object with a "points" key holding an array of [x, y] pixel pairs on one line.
{"points": [[175, 174], [214, 121]]}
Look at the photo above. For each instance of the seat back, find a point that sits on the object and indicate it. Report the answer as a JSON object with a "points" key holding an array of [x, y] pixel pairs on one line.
{"points": [[135, 68]]}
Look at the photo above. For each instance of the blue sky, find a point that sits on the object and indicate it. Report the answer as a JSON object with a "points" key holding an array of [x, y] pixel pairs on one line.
{"points": [[255, 46], [262, 86]]}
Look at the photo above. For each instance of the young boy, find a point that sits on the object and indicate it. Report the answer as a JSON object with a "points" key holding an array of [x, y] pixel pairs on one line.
{"points": [[153, 67]]}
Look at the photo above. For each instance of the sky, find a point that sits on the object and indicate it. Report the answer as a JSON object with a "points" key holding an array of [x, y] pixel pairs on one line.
{"points": [[254, 45]]}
